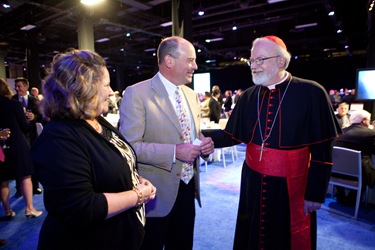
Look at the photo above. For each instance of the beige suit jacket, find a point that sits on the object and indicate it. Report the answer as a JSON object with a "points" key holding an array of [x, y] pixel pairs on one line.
{"points": [[149, 122]]}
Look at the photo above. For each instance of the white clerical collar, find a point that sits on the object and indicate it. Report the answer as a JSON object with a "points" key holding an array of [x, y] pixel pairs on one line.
{"points": [[273, 86]]}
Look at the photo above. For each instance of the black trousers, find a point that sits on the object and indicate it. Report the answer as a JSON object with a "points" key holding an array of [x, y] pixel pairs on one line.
{"points": [[176, 230]]}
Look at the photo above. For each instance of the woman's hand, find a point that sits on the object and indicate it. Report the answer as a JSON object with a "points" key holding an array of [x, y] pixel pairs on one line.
{"points": [[4, 133], [119, 202], [147, 189]]}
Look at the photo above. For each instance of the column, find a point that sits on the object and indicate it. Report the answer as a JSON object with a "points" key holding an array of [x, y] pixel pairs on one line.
{"points": [[32, 57], [2, 65], [85, 34], [182, 20]]}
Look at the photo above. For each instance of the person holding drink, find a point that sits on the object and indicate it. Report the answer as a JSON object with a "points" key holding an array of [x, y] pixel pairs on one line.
{"points": [[30, 106], [17, 163]]}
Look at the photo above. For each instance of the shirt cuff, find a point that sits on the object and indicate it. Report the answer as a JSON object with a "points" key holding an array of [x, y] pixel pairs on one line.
{"points": [[174, 155]]}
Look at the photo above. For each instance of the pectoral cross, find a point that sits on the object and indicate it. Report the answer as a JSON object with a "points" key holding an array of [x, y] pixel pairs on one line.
{"points": [[261, 151]]}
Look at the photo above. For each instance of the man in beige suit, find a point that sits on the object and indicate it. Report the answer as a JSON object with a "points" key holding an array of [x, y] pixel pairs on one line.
{"points": [[150, 122]]}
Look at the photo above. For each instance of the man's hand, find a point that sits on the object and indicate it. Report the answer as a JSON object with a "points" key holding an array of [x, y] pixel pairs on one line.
{"points": [[207, 146], [187, 152], [30, 115], [311, 206]]}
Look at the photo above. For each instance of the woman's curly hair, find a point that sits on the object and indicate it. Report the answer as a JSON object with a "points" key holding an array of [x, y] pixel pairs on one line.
{"points": [[71, 88]]}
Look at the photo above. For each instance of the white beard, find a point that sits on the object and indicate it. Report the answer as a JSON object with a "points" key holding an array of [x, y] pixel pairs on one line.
{"points": [[265, 76]]}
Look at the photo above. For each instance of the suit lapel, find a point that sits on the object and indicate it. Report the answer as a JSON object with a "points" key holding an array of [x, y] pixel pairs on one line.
{"points": [[165, 106]]}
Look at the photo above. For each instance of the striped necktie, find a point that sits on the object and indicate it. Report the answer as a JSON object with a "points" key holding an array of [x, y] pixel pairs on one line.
{"points": [[187, 167]]}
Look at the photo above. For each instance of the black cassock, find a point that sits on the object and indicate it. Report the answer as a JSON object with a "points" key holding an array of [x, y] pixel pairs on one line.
{"points": [[304, 121]]}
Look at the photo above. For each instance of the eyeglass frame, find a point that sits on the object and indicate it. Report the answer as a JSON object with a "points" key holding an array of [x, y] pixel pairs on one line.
{"points": [[259, 61]]}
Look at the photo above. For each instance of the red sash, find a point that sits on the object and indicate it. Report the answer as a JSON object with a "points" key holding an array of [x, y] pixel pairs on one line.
{"points": [[292, 164]]}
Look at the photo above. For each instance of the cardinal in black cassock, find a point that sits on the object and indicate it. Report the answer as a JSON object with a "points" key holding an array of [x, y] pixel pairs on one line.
{"points": [[288, 125]]}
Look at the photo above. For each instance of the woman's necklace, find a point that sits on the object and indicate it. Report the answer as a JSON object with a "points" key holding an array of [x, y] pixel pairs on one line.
{"points": [[274, 120], [95, 124]]}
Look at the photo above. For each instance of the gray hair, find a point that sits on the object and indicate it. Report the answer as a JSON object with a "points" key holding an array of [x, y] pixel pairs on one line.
{"points": [[280, 51], [168, 46]]}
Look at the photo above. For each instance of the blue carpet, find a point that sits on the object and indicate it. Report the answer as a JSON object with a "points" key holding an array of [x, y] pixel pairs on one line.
{"points": [[215, 221]]}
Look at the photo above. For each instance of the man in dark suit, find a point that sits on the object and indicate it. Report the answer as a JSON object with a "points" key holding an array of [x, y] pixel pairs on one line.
{"points": [[359, 137], [215, 107], [151, 120], [31, 108], [220, 98]]}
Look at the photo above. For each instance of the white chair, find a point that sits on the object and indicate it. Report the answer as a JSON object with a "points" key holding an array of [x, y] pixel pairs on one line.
{"points": [[201, 161], [39, 128], [232, 149], [348, 162]]}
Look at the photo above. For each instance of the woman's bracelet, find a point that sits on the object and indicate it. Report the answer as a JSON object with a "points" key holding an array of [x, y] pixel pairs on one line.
{"points": [[140, 197]]}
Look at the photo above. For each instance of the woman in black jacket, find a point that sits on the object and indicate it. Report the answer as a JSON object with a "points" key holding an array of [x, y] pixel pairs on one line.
{"points": [[18, 164], [92, 191]]}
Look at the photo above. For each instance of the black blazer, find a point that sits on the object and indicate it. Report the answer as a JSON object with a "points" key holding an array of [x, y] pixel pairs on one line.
{"points": [[215, 110], [17, 156], [76, 165], [228, 104]]}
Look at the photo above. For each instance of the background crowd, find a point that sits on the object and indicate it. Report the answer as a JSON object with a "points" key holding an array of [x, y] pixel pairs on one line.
{"points": [[88, 200]]}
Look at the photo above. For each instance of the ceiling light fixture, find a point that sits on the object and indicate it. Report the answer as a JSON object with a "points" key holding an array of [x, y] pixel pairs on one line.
{"points": [[91, 2], [166, 24], [214, 40], [200, 10], [274, 1], [234, 27], [371, 7], [102, 40], [5, 4], [150, 49], [331, 13], [28, 27], [302, 26]]}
